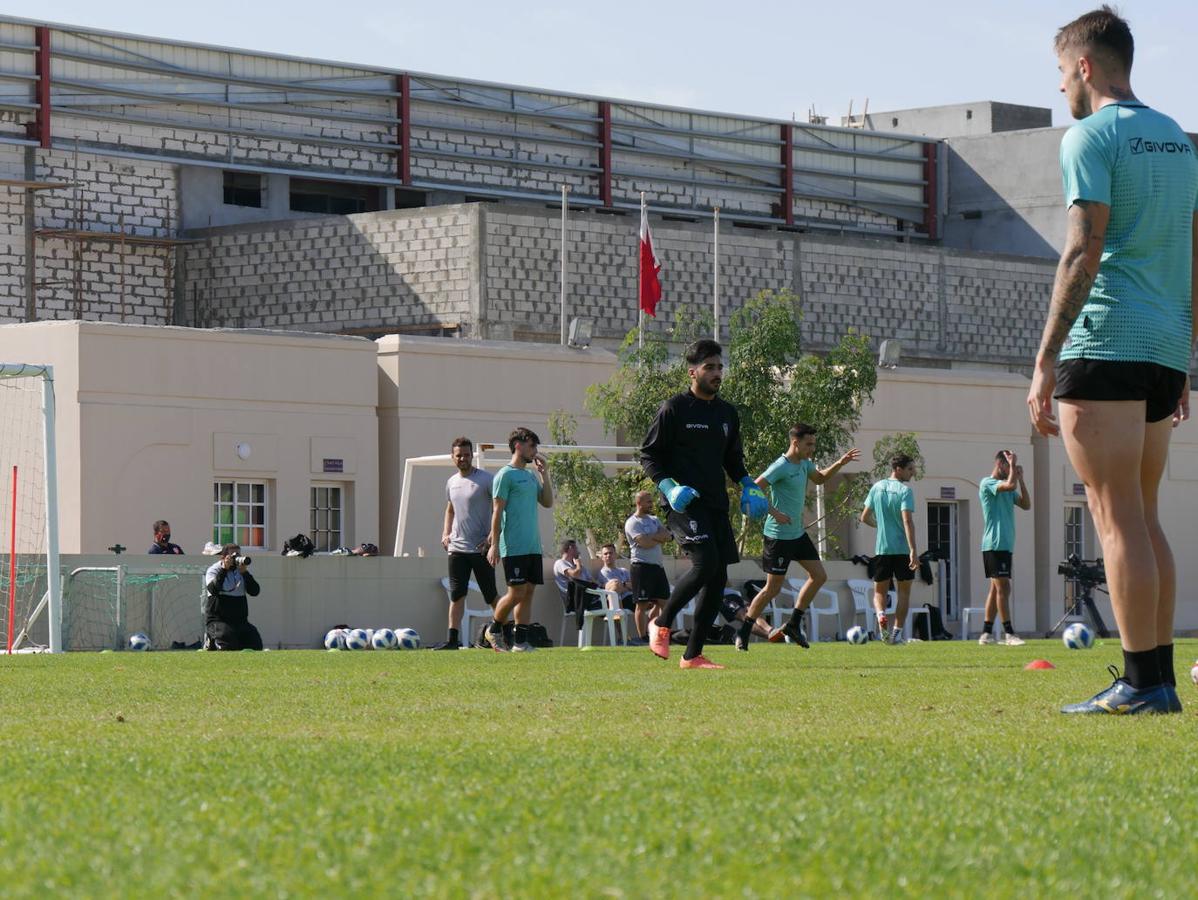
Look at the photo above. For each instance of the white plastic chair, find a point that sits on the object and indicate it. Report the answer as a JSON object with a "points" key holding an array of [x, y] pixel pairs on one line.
{"points": [[610, 612], [817, 610], [470, 615], [966, 612], [863, 603]]}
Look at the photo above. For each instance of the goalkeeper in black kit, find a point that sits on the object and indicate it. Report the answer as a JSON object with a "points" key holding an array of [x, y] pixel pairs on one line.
{"points": [[693, 441]]}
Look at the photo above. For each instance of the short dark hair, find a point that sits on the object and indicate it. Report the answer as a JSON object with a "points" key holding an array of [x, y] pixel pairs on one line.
{"points": [[461, 442], [566, 545], [801, 429], [900, 461], [605, 546], [161, 524], [519, 436], [701, 350], [1001, 455], [229, 550], [1101, 30]]}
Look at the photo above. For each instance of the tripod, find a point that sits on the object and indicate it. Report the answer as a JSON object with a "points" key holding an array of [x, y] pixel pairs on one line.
{"points": [[1084, 599]]}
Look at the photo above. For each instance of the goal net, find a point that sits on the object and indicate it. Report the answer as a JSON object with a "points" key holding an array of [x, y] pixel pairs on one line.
{"points": [[103, 606], [28, 513]]}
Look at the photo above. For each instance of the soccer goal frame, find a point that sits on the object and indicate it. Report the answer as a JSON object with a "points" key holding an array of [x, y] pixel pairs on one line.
{"points": [[444, 460], [52, 599]]}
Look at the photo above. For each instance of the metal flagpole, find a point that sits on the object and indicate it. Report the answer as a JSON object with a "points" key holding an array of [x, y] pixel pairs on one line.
{"points": [[715, 273], [565, 191], [640, 330]]}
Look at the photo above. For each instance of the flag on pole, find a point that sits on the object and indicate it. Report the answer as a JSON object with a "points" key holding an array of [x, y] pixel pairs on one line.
{"points": [[650, 286]]}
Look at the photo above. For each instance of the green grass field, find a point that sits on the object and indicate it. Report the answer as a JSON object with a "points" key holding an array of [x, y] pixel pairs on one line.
{"points": [[925, 770]]}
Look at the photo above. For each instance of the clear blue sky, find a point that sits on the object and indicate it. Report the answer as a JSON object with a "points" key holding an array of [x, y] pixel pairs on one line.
{"points": [[767, 58]]}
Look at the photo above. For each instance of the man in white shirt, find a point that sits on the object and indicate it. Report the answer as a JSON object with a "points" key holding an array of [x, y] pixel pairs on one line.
{"points": [[649, 585]]}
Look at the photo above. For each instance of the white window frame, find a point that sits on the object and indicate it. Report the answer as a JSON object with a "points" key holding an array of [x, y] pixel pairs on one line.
{"points": [[343, 531], [236, 504]]}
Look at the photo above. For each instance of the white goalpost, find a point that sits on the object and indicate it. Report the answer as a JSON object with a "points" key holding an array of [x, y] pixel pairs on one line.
{"points": [[30, 579]]}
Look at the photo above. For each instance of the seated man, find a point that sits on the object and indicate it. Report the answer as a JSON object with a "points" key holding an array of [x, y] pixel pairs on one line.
{"points": [[162, 540], [615, 578], [571, 576], [734, 609], [226, 610]]}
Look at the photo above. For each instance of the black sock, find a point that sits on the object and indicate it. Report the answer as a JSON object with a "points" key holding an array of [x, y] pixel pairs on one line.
{"points": [[1141, 669], [1006, 627], [988, 627], [1164, 659], [796, 617], [746, 627], [521, 634], [453, 636]]}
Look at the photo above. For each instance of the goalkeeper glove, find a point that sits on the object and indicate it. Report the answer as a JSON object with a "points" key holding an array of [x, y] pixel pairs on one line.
{"points": [[678, 495], [752, 500]]}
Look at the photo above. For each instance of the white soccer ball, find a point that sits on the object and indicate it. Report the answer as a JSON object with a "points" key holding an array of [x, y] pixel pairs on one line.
{"points": [[408, 638], [1194, 673], [383, 639], [1077, 637], [138, 641], [856, 635], [357, 639], [335, 639]]}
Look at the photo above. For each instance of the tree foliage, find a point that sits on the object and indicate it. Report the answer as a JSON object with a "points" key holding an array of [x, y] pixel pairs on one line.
{"points": [[767, 377]]}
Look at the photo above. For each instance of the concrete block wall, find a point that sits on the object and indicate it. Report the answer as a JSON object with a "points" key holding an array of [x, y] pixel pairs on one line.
{"points": [[494, 269], [335, 273]]}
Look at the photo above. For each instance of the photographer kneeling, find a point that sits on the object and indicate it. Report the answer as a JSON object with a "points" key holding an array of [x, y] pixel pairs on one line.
{"points": [[226, 610]]}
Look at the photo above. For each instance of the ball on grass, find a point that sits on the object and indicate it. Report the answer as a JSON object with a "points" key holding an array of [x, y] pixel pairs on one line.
{"points": [[357, 639], [335, 639], [139, 641], [408, 639], [383, 639], [856, 635], [1077, 637], [1194, 673]]}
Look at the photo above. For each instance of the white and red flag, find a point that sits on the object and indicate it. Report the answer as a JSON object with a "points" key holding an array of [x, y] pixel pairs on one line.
{"points": [[650, 284]]}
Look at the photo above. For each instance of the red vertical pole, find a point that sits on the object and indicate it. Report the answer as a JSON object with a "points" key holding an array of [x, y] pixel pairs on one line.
{"points": [[788, 172], [605, 153], [12, 564], [931, 212], [42, 66], [404, 172]]}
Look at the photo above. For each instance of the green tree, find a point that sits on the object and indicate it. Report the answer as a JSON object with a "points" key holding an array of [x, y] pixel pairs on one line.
{"points": [[767, 376]]}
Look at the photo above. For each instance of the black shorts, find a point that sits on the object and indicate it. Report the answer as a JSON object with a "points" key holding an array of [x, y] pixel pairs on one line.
{"points": [[649, 583], [892, 565], [997, 563], [523, 569], [462, 566], [778, 553], [700, 526], [1103, 379]]}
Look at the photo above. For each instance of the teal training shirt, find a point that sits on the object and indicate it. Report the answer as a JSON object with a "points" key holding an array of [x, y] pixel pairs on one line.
{"points": [[518, 531], [788, 493], [1142, 165], [888, 498], [998, 516]]}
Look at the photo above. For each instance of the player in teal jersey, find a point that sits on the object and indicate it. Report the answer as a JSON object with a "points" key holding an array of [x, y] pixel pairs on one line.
{"points": [[1117, 344], [999, 494], [890, 508], [515, 536], [785, 537]]}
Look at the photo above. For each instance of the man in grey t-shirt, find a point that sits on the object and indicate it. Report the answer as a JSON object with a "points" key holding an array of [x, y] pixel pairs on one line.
{"points": [[650, 587], [465, 535]]}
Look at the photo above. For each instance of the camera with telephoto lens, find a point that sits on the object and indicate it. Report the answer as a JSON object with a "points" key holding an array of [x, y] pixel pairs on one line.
{"points": [[1083, 570], [242, 560]]}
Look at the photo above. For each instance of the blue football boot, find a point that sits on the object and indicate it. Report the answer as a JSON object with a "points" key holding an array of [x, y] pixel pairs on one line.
{"points": [[1121, 699], [1174, 700]]}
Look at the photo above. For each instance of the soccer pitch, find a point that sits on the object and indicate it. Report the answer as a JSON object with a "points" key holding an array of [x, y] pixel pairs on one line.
{"points": [[925, 770]]}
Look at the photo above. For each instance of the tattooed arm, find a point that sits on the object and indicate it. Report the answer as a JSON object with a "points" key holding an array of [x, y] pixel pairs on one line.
{"points": [[1087, 222]]}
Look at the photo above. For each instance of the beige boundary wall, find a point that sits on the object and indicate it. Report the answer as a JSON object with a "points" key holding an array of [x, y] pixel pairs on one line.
{"points": [[302, 598]]}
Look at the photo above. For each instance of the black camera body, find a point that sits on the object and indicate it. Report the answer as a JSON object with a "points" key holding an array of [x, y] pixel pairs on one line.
{"points": [[1086, 571]]}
